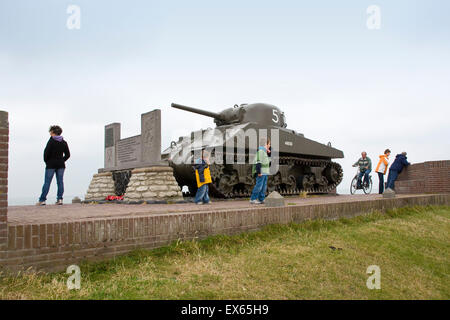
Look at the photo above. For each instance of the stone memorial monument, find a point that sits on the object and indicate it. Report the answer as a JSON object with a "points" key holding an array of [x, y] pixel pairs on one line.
{"points": [[133, 166]]}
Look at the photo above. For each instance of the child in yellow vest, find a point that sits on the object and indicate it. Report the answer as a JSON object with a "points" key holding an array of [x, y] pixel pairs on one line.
{"points": [[203, 177]]}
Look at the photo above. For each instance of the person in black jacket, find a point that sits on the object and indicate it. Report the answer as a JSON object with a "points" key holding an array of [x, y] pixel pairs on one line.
{"points": [[56, 154]]}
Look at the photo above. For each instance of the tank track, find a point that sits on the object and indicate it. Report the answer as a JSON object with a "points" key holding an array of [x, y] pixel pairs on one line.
{"points": [[218, 173]]}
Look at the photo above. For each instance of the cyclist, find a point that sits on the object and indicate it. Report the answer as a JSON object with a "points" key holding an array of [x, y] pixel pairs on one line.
{"points": [[365, 167]]}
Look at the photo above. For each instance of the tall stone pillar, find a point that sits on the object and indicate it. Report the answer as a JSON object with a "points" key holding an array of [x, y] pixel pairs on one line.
{"points": [[151, 137], [4, 141], [112, 135]]}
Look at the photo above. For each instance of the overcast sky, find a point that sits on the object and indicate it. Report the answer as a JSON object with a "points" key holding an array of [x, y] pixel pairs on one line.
{"points": [[335, 79]]}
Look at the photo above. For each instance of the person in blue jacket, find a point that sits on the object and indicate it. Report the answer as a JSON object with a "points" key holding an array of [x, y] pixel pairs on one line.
{"points": [[395, 169]]}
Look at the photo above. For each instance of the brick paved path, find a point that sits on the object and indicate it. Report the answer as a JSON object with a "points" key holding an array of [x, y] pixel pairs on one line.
{"points": [[75, 212]]}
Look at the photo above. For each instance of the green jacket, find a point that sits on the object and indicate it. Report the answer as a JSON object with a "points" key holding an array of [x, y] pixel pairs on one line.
{"points": [[363, 163], [262, 162]]}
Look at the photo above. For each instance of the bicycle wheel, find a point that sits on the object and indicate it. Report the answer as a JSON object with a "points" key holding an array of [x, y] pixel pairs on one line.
{"points": [[367, 187], [353, 185]]}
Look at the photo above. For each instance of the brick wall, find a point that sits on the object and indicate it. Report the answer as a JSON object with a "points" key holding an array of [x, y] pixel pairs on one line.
{"points": [[425, 177], [55, 246], [4, 139]]}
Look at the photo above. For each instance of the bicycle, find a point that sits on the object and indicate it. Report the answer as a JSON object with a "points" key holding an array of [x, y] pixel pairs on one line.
{"points": [[366, 186]]}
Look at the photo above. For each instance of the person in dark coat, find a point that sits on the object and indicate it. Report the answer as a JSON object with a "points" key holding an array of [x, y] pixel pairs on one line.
{"points": [[399, 163], [56, 153]]}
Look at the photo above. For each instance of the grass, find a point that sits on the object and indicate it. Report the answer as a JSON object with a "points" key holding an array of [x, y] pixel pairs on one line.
{"points": [[410, 245]]}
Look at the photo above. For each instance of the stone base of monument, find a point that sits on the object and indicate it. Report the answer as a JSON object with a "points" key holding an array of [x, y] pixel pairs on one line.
{"points": [[153, 184], [389, 193], [102, 185], [274, 199]]}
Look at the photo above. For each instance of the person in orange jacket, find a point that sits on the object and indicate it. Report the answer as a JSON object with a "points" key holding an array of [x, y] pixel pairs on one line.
{"points": [[382, 168]]}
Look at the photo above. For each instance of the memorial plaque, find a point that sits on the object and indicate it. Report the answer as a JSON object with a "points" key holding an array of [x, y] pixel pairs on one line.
{"points": [[109, 137], [128, 151]]}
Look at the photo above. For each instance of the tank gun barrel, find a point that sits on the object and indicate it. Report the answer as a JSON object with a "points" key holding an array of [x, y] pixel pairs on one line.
{"points": [[199, 111]]}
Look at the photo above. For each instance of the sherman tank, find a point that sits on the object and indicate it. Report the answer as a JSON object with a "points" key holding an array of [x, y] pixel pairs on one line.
{"points": [[304, 165]]}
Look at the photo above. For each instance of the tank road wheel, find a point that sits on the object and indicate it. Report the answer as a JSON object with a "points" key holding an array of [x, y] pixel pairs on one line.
{"points": [[331, 174], [226, 186], [308, 182], [323, 185], [216, 171], [250, 182], [290, 187], [274, 183]]}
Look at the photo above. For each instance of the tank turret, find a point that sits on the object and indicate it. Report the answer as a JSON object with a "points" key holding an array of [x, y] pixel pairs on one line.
{"points": [[261, 113]]}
